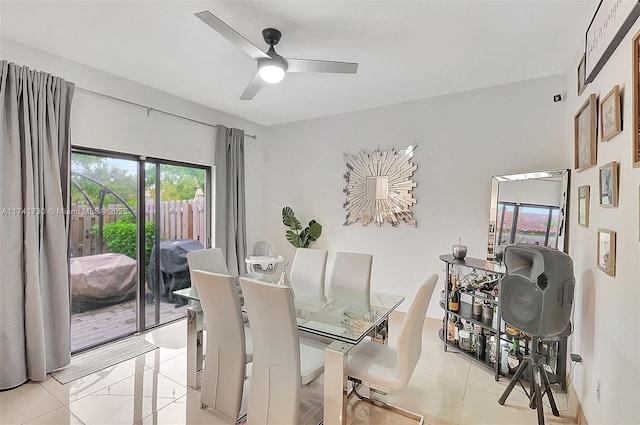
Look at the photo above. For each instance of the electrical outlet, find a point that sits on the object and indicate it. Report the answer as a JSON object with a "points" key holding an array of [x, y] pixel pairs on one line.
{"points": [[598, 390], [576, 358]]}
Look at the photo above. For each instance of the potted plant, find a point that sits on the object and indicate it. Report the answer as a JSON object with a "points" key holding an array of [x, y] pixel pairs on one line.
{"points": [[296, 235]]}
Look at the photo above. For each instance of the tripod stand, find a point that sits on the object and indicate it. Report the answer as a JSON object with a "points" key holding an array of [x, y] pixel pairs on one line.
{"points": [[539, 382]]}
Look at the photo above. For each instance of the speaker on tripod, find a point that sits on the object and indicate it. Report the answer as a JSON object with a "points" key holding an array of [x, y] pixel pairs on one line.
{"points": [[536, 296], [536, 293]]}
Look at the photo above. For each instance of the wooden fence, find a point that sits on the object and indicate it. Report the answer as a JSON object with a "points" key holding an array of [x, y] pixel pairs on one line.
{"points": [[176, 220]]}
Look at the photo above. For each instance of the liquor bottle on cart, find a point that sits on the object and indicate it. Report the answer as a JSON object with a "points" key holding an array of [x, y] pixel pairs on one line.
{"points": [[451, 330], [454, 301], [515, 356]]}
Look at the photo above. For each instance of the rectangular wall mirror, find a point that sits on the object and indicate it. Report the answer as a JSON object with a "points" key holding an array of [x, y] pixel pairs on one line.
{"points": [[528, 208]]}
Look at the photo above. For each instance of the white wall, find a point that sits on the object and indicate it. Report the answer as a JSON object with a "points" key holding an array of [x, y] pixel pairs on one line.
{"points": [[99, 122], [462, 140], [607, 309]]}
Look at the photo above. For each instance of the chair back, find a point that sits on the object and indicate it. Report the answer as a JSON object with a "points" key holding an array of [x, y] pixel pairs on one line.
{"points": [[309, 265], [410, 337], [224, 368], [351, 270], [275, 387], [210, 260]]}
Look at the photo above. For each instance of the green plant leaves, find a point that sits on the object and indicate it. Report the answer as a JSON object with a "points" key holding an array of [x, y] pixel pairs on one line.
{"points": [[293, 238], [287, 213], [297, 236], [290, 220], [304, 238], [293, 223], [315, 230]]}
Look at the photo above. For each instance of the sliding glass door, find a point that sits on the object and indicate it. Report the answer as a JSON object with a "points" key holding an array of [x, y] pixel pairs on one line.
{"points": [[133, 221], [176, 208], [103, 259]]}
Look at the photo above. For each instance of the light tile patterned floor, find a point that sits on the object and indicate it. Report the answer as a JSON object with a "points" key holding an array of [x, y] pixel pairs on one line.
{"points": [[151, 389]]}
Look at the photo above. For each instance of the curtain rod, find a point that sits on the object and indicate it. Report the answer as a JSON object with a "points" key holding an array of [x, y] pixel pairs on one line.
{"points": [[149, 109]]}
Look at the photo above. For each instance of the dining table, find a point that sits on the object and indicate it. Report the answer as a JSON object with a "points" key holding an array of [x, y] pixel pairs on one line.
{"points": [[341, 314]]}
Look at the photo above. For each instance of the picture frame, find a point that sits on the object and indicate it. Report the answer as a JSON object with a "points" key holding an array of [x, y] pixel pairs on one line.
{"points": [[610, 23], [609, 184], [582, 77], [636, 100], [585, 134], [610, 115], [583, 205], [607, 251]]}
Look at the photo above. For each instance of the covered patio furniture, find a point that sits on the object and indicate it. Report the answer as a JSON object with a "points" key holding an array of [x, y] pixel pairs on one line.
{"points": [[101, 280]]}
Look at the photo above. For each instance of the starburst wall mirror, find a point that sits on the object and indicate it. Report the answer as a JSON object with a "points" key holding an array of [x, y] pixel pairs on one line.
{"points": [[379, 187]]}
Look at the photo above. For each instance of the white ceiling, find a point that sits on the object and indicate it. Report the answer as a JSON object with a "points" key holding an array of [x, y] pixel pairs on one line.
{"points": [[406, 50]]}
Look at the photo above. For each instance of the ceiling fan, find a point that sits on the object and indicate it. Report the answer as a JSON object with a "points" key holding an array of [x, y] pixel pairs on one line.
{"points": [[271, 66]]}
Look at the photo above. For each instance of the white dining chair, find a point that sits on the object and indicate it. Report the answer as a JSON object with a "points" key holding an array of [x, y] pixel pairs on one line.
{"points": [[309, 265], [211, 260], [383, 368], [351, 270], [225, 363], [282, 361]]}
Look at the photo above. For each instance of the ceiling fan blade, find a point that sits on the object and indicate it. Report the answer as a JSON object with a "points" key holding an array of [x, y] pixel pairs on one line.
{"points": [[230, 34], [308, 65], [254, 86]]}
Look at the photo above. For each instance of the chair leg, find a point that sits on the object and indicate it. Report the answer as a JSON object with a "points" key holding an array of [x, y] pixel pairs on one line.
{"points": [[349, 390], [242, 418], [406, 413]]}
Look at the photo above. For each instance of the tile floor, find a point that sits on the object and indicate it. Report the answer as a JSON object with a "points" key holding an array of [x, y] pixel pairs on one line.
{"points": [[151, 389]]}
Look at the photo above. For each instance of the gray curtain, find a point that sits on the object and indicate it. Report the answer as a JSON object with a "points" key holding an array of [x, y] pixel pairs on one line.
{"points": [[230, 228], [34, 190]]}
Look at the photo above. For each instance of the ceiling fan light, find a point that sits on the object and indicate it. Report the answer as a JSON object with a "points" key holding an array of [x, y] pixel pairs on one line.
{"points": [[271, 72]]}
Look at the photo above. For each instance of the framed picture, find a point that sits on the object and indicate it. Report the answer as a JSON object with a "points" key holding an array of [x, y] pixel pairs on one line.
{"points": [[636, 100], [609, 184], [610, 23], [581, 75], [610, 122], [607, 251], [585, 134], [583, 206]]}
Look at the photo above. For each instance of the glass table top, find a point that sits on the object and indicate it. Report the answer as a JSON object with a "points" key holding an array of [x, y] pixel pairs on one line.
{"points": [[336, 312]]}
